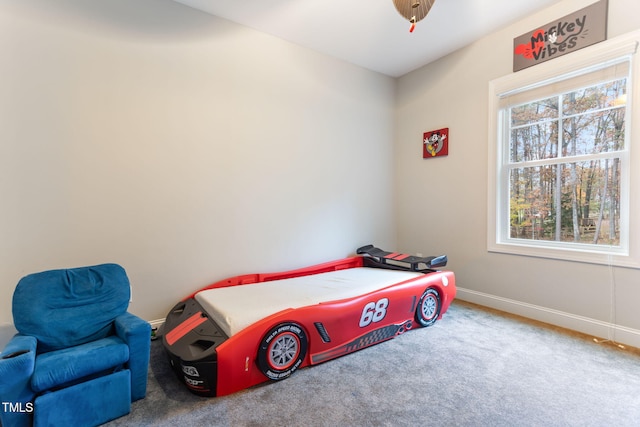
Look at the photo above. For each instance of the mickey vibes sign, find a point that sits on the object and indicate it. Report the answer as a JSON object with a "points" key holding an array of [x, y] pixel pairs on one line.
{"points": [[567, 34]]}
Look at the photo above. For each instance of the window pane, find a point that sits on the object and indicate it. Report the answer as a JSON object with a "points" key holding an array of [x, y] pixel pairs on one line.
{"points": [[534, 142], [597, 97], [572, 202], [590, 211], [532, 203], [534, 112], [592, 133]]}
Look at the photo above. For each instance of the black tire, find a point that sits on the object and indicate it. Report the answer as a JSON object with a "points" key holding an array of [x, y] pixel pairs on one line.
{"points": [[282, 350], [428, 308]]}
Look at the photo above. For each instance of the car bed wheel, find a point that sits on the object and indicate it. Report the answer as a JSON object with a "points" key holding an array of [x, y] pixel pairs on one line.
{"points": [[428, 308], [282, 350]]}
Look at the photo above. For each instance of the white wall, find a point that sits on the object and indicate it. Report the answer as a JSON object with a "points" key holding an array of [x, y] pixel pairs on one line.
{"points": [[442, 203], [188, 148], [182, 146]]}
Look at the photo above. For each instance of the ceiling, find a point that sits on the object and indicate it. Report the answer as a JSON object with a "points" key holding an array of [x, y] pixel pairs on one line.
{"points": [[371, 33]]}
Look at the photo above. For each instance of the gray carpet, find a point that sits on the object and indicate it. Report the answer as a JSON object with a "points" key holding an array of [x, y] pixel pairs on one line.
{"points": [[474, 367]]}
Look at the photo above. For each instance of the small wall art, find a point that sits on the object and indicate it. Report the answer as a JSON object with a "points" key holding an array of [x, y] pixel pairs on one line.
{"points": [[435, 143]]}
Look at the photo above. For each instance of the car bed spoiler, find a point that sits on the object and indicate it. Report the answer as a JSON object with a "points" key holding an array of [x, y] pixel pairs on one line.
{"points": [[376, 257]]}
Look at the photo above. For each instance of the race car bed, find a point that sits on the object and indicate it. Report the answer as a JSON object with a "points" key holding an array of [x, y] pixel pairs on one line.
{"points": [[249, 329]]}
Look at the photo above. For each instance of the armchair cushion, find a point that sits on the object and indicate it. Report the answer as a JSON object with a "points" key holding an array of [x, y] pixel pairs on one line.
{"points": [[63, 367], [65, 308], [90, 403]]}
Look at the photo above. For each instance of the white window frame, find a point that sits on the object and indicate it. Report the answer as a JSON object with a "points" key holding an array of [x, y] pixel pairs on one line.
{"points": [[498, 240]]}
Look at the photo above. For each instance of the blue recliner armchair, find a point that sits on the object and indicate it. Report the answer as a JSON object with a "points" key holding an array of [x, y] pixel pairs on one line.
{"points": [[78, 359]]}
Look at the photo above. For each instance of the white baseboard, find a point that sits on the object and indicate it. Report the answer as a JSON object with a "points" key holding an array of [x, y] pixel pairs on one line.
{"points": [[599, 329], [155, 328], [155, 324]]}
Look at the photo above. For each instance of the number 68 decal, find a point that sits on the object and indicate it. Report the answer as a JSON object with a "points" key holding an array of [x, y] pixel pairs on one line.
{"points": [[374, 312]]}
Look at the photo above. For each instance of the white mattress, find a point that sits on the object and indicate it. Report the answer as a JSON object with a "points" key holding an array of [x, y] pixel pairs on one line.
{"points": [[236, 307]]}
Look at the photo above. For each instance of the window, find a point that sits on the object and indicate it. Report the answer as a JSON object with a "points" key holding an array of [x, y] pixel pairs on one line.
{"points": [[561, 165]]}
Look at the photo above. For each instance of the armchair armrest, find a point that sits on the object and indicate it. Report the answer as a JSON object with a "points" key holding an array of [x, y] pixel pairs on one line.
{"points": [[136, 333], [17, 362]]}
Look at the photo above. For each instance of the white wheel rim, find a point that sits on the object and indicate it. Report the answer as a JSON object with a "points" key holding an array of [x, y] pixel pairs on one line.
{"points": [[429, 307], [283, 351]]}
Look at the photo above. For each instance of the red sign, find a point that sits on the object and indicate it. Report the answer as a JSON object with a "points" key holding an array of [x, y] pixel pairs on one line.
{"points": [[435, 143]]}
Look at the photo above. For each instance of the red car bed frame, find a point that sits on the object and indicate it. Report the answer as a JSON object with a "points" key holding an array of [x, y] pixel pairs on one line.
{"points": [[212, 360]]}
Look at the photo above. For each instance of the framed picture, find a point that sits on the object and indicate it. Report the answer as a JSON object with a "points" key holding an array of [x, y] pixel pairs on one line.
{"points": [[435, 143]]}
